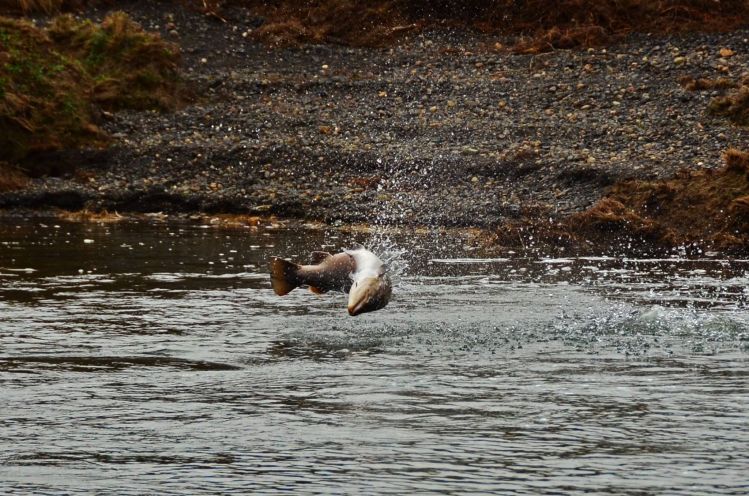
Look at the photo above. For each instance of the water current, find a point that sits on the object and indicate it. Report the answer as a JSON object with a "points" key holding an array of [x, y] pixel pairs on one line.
{"points": [[153, 358]]}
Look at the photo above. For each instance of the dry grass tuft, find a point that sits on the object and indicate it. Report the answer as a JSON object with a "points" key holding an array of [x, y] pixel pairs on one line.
{"points": [[610, 215], [130, 67], [43, 96], [11, 178], [734, 105], [737, 162], [38, 6], [541, 25], [52, 81], [710, 207], [236, 221], [350, 22], [691, 84], [556, 37], [103, 217]]}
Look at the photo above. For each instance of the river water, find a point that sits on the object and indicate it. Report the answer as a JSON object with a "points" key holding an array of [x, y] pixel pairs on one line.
{"points": [[152, 357]]}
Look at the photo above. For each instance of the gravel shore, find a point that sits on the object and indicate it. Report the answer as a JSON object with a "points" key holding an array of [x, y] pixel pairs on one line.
{"points": [[447, 129]]}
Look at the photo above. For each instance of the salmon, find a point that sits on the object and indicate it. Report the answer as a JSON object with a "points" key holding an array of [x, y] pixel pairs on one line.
{"points": [[358, 272]]}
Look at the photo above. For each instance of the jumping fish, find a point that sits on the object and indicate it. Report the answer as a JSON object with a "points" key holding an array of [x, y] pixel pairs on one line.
{"points": [[359, 272]]}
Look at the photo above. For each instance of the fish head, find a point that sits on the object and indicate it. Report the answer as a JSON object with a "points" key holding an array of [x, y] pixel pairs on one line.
{"points": [[369, 294]]}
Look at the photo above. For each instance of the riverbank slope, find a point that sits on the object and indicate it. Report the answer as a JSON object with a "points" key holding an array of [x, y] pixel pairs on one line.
{"points": [[445, 128]]}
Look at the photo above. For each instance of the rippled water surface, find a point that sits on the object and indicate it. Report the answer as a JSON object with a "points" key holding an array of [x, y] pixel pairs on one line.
{"points": [[153, 357]]}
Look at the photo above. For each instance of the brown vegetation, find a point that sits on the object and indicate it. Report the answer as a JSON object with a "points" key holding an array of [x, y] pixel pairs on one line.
{"points": [[43, 104], [352, 22], [11, 178], [130, 67], [704, 209], [734, 105], [708, 207], [16, 7], [53, 81], [540, 24], [85, 215], [569, 23], [702, 84]]}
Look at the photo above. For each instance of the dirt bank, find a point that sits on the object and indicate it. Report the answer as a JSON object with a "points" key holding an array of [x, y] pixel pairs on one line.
{"points": [[446, 128]]}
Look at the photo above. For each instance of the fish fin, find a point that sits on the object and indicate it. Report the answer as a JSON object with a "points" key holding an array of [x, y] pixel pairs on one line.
{"points": [[317, 290], [318, 257], [283, 275]]}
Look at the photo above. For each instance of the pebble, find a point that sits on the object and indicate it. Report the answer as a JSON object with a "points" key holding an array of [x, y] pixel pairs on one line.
{"points": [[278, 136]]}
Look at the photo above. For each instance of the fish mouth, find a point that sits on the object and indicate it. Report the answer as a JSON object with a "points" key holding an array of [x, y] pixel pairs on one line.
{"points": [[366, 305], [356, 309], [369, 295]]}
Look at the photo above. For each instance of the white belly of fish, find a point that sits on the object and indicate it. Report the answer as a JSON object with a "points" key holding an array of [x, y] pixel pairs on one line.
{"points": [[367, 264]]}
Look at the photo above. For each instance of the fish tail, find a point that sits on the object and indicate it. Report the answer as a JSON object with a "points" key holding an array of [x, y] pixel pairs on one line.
{"points": [[283, 275]]}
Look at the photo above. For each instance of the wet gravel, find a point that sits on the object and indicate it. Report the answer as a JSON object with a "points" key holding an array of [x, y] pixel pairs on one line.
{"points": [[445, 128]]}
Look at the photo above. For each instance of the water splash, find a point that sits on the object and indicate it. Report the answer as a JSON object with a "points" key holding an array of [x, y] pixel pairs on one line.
{"points": [[392, 254], [398, 208], [653, 330]]}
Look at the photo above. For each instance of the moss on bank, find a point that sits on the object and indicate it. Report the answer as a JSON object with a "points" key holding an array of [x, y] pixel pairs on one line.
{"points": [[129, 67], [54, 81], [43, 94]]}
